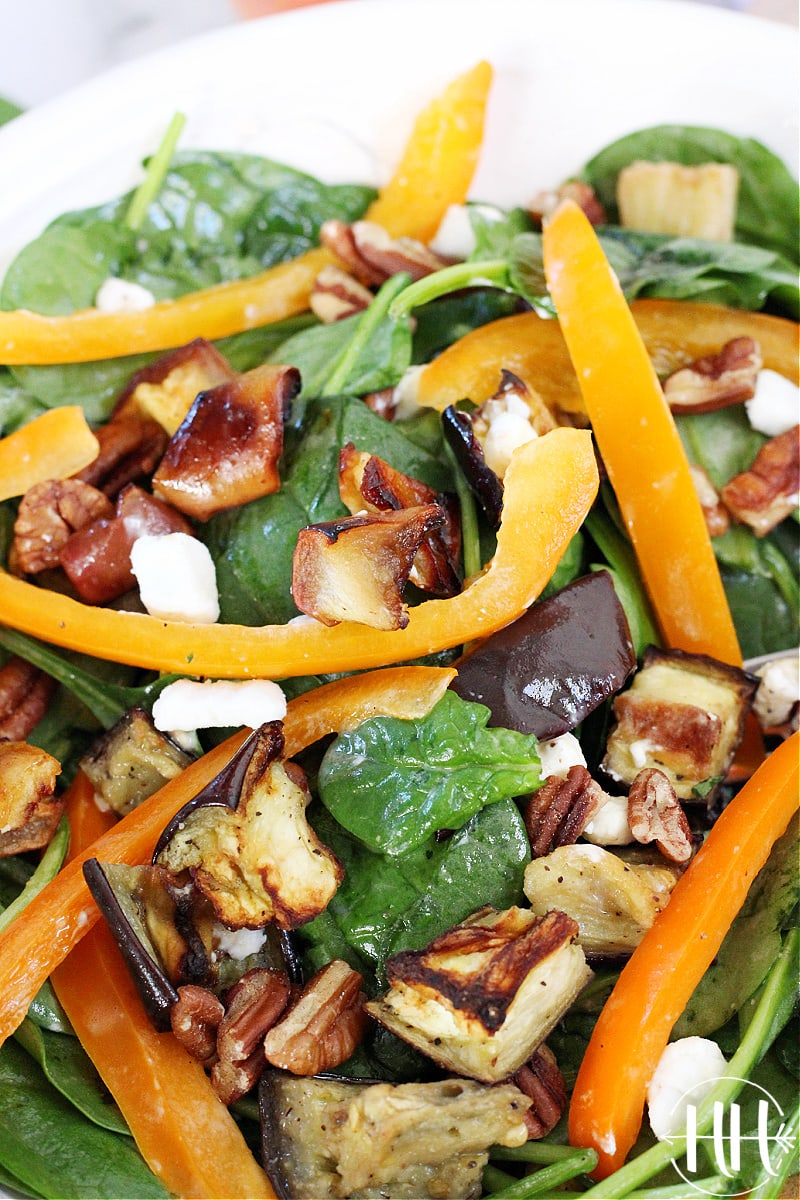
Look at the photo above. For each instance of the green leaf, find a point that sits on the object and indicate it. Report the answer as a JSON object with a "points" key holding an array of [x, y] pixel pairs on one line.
{"points": [[8, 110], [51, 1148], [393, 783]]}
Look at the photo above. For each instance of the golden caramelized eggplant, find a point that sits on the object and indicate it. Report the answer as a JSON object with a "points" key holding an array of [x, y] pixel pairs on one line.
{"points": [[367, 482], [29, 807], [166, 388], [131, 761], [332, 1137], [460, 435], [613, 902], [480, 998], [253, 853], [226, 450], [683, 714], [356, 569]]}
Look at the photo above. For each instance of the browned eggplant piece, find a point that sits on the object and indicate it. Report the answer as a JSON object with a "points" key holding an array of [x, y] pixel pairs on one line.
{"points": [[683, 714], [329, 1136], [227, 449], [460, 436], [29, 807], [481, 997], [546, 671], [368, 482], [114, 896], [131, 761], [247, 845], [166, 388], [97, 557], [356, 569]]}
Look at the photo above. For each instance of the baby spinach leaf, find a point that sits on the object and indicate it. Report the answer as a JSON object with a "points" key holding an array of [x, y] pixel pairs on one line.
{"points": [[393, 783], [54, 1150], [722, 442], [67, 1066], [8, 110], [767, 208], [391, 903]]}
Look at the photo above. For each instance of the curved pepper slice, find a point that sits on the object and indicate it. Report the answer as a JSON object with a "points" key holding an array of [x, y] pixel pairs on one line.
{"points": [[674, 331], [183, 1115], [638, 441], [549, 488], [55, 445], [59, 916]]}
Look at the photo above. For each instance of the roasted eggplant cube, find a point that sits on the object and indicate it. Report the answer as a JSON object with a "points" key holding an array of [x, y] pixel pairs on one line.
{"points": [[333, 1137], [484, 995], [131, 761], [29, 807], [683, 714], [546, 671]]}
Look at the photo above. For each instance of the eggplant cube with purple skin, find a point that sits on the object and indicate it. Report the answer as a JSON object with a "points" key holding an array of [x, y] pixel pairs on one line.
{"points": [[480, 998], [259, 860], [356, 569]]}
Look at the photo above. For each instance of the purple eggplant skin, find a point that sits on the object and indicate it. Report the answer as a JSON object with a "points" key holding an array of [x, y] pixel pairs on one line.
{"points": [[546, 671], [460, 436], [224, 790], [154, 987]]}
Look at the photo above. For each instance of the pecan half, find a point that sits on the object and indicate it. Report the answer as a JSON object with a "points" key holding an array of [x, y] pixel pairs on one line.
{"points": [[559, 812], [48, 514], [130, 448], [716, 380], [336, 294], [324, 1025], [714, 511], [763, 496], [544, 204], [252, 1006], [29, 808], [25, 692], [372, 255], [542, 1081], [655, 815], [195, 1019]]}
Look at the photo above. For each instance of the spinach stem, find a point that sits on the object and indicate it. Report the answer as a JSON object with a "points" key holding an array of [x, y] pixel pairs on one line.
{"points": [[449, 279], [157, 168], [470, 535], [48, 868], [769, 1185], [368, 322]]}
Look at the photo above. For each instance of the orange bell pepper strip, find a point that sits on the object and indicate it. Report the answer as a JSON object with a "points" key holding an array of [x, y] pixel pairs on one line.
{"points": [[53, 446], [435, 171], [439, 160], [549, 488], [61, 914], [674, 331], [638, 441], [633, 1028], [185, 1135]]}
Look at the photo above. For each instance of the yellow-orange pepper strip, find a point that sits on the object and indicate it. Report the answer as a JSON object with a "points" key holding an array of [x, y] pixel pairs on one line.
{"points": [[63, 912], [638, 441], [549, 488], [164, 1094], [633, 1028], [439, 160], [674, 332], [53, 446], [435, 171]]}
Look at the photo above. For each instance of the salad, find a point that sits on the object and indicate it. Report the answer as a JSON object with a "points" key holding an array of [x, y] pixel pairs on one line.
{"points": [[387, 774]]}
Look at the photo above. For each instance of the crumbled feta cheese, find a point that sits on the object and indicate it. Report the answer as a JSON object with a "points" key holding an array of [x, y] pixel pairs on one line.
{"points": [[176, 577], [238, 943], [774, 407], [609, 826], [405, 394], [559, 754], [455, 237], [190, 704], [508, 421], [685, 1074], [778, 691], [120, 295]]}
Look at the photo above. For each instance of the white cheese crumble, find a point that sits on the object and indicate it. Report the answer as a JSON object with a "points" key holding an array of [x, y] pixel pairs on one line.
{"points": [[238, 943], [685, 1074], [609, 826], [120, 295], [774, 407], [778, 691], [559, 754], [508, 421], [189, 704], [455, 237], [176, 577], [405, 394]]}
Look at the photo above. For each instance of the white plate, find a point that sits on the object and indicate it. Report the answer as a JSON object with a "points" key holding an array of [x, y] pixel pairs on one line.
{"points": [[334, 90]]}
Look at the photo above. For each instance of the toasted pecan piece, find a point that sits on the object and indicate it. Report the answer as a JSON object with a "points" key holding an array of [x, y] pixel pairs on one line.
{"points": [[763, 496], [195, 1018], [48, 514], [655, 815], [558, 813], [323, 1026], [25, 693], [252, 1006], [716, 380], [541, 1080]]}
